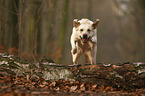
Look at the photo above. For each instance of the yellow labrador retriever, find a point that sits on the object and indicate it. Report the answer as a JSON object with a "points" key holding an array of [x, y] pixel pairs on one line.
{"points": [[84, 40]]}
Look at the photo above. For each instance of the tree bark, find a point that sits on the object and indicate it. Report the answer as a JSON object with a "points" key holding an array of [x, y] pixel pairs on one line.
{"points": [[63, 26]]}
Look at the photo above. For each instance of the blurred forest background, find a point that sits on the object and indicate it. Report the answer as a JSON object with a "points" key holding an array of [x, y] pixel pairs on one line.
{"points": [[37, 29]]}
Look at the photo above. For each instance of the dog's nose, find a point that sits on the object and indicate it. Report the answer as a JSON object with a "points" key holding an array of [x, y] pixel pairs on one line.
{"points": [[85, 36]]}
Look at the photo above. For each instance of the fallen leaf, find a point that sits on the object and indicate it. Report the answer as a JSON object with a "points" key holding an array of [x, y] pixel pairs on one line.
{"points": [[108, 88], [73, 88], [52, 84], [35, 92], [41, 86], [87, 86], [82, 87], [46, 92], [115, 66], [57, 88], [94, 86], [101, 88]]}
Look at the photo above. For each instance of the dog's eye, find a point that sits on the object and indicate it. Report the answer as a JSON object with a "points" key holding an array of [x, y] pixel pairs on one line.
{"points": [[81, 30], [88, 30]]}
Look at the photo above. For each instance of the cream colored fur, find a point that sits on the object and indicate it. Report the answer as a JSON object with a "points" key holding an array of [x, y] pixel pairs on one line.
{"points": [[84, 40]]}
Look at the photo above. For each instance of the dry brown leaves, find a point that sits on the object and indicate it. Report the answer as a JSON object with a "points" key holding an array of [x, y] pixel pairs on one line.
{"points": [[10, 85], [22, 86]]}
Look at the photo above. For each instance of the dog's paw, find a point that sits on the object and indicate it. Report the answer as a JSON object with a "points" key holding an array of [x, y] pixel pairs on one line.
{"points": [[74, 50]]}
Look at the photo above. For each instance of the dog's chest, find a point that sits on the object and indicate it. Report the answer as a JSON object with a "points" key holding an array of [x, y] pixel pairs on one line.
{"points": [[84, 46]]}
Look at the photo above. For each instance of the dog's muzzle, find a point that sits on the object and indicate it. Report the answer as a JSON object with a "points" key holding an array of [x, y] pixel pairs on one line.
{"points": [[85, 38]]}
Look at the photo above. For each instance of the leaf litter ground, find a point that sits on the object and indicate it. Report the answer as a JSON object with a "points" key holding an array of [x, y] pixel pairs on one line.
{"points": [[18, 77]]}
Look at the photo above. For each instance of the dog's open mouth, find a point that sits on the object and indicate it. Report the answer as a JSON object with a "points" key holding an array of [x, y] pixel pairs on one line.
{"points": [[84, 38]]}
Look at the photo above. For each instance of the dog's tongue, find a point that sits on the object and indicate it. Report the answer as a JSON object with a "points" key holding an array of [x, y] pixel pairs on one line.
{"points": [[85, 40]]}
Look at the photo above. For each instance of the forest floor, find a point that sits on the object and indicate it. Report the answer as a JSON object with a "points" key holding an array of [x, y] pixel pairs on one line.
{"points": [[21, 78]]}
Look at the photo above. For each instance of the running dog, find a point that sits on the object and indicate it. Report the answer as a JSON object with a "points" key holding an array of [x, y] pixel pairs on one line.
{"points": [[84, 40]]}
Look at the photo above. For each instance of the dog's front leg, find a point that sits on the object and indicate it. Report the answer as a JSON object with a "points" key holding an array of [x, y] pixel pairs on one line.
{"points": [[76, 57], [74, 50], [74, 43], [93, 42]]}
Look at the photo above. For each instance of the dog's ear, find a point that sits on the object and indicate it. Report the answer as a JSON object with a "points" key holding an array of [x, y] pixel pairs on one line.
{"points": [[76, 23], [95, 24]]}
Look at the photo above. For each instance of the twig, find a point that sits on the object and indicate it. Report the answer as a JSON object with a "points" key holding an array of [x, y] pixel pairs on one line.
{"points": [[9, 10], [36, 33]]}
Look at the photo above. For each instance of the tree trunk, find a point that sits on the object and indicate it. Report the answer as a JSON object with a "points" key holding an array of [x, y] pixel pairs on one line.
{"points": [[20, 26], [63, 26]]}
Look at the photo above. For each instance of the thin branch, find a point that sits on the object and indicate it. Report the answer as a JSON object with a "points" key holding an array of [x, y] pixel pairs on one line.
{"points": [[36, 33], [15, 6], [9, 10]]}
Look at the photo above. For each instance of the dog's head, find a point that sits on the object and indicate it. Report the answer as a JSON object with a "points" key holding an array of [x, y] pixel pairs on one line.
{"points": [[85, 28]]}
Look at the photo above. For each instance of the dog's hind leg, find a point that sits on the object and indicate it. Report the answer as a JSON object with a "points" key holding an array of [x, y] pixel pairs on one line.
{"points": [[86, 59], [94, 53], [90, 57]]}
